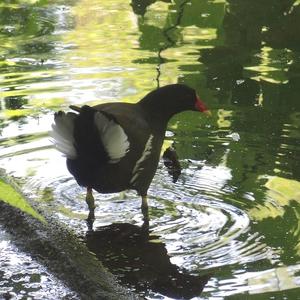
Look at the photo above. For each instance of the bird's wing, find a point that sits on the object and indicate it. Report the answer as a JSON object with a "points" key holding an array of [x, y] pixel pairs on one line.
{"points": [[72, 134], [112, 135]]}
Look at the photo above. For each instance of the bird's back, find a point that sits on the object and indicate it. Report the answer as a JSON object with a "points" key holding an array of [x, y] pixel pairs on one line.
{"points": [[109, 147]]}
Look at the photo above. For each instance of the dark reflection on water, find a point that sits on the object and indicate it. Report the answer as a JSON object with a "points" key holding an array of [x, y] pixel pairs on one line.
{"points": [[171, 162], [141, 260], [234, 208]]}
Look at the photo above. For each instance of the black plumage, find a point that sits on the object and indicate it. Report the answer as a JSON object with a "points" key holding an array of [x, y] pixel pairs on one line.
{"points": [[112, 147]]}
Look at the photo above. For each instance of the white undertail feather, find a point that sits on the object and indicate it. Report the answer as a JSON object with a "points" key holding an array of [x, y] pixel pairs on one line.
{"points": [[114, 139], [138, 166], [62, 134]]}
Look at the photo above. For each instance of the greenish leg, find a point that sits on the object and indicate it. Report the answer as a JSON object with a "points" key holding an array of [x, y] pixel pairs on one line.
{"points": [[145, 211], [123, 195], [91, 204], [144, 202]]}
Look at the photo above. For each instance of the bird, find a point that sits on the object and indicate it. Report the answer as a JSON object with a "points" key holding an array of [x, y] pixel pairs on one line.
{"points": [[116, 146]]}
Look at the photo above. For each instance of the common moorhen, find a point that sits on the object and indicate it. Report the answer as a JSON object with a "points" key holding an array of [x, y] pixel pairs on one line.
{"points": [[112, 147]]}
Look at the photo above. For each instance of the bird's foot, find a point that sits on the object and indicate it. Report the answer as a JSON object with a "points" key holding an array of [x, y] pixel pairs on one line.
{"points": [[90, 220], [145, 226]]}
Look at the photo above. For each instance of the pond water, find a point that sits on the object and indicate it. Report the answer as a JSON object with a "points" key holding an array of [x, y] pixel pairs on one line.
{"points": [[231, 223]]}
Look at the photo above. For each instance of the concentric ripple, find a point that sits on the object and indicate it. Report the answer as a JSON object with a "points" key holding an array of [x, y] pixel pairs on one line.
{"points": [[201, 231]]}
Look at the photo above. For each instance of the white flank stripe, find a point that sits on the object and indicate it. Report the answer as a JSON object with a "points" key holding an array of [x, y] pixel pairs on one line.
{"points": [[113, 137], [147, 151]]}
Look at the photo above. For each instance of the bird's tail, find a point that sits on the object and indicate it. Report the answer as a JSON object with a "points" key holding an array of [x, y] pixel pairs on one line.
{"points": [[63, 133]]}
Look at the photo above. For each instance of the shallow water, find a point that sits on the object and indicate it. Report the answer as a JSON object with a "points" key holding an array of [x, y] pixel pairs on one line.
{"points": [[23, 278], [232, 218]]}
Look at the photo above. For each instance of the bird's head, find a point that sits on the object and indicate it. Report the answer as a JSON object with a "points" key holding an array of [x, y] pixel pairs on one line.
{"points": [[172, 99]]}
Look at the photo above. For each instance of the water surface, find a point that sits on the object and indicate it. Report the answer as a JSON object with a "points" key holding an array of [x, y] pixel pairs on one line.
{"points": [[232, 218]]}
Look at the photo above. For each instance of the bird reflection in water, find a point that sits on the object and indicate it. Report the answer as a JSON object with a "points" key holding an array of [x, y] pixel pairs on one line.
{"points": [[140, 260], [171, 162]]}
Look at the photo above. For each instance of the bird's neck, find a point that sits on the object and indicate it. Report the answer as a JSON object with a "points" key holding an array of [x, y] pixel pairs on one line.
{"points": [[157, 111]]}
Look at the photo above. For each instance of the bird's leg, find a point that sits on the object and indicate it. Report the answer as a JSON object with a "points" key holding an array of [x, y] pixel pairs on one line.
{"points": [[122, 195], [145, 210], [144, 203], [91, 204]]}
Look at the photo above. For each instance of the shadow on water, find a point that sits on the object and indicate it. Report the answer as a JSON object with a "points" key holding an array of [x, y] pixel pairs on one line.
{"points": [[140, 260]]}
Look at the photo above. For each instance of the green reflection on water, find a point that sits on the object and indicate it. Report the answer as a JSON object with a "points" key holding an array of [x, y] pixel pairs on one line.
{"points": [[241, 56]]}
